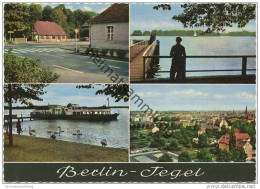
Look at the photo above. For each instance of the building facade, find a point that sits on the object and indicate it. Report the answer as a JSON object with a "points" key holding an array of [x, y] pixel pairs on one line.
{"points": [[45, 31], [110, 29]]}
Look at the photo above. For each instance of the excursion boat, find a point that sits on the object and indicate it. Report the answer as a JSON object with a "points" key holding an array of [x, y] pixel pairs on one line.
{"points": [[75, 112]]}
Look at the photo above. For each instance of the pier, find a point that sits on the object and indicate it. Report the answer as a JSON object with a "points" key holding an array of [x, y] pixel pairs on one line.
{"points": [[143, 58], [21, 118], [139, 50]]}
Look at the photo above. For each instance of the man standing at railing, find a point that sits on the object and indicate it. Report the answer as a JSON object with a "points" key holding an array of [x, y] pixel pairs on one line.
{"points": [[178, 61]]}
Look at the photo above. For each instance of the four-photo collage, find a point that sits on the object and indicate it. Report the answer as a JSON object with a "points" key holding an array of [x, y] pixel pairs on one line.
{"points": [[129, 82]]}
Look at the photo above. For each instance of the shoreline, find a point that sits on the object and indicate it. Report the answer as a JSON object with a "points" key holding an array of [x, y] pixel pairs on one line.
{"points": [[36, 149]]}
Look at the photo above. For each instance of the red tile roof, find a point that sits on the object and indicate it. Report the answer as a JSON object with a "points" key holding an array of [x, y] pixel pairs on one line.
{"points": [[118, 12], [224, 139], [241, 139], [48, 28], [203, 130]]}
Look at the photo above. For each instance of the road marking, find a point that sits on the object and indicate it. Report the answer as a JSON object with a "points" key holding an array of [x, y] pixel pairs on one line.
{"points": [[66, 68], [116, 60], [114, 67], [36, 50]]}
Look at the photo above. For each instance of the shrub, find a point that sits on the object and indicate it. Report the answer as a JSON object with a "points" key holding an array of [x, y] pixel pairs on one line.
{"points": [[121, 53], [104, 52], [165, 158], [184, 157], [87, 51], [95, 51], [111, 52]]}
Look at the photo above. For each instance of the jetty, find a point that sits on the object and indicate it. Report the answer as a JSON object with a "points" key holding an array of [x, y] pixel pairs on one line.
{"points": [[14, 116], [145, 60]]}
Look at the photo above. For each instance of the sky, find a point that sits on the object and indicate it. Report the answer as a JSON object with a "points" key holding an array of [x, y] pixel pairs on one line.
{"points": [[62, 94], [195, 97], [93, 7], [144, 17]]}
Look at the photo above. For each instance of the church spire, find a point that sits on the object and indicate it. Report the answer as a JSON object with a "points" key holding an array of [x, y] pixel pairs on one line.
{"points": [[246, 110]]}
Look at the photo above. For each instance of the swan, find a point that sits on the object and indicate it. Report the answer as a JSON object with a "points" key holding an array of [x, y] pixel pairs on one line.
{"points": [[32, 132], [78, 133], [103, 142]]}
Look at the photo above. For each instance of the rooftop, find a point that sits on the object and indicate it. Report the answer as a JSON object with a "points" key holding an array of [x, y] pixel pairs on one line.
{"points": [[117, 12], [48, 28]]}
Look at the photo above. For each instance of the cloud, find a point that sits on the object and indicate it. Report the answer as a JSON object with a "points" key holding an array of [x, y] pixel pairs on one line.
{"points": [[245, 96], [218, 96], [86, 8], [69, 7], [189, 93], [148, 94]]}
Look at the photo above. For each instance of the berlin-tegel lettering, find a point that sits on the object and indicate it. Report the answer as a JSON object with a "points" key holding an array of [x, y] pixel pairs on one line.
{"points": [[153, 171]]}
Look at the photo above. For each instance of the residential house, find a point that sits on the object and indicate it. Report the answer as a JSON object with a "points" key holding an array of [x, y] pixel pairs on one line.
{"points": [[242, 141], [202, 131], [110, 29], [45, 31], [224, 142]]}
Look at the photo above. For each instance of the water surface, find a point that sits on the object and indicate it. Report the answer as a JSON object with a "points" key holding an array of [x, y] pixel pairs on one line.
{"points": [[220, 45], [115, 132]]}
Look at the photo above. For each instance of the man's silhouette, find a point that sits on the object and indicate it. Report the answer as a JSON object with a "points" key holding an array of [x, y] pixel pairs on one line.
{"points": [[178, 61]]}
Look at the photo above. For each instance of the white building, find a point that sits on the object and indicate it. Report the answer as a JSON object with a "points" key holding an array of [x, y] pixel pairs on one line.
{"points": [[110, 29]]}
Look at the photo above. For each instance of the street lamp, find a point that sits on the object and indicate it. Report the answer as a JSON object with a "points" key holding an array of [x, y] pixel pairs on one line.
{"points": [[76, 30]]}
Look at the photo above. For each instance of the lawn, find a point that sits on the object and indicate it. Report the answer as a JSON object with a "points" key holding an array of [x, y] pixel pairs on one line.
{"points": [[32, 149]]}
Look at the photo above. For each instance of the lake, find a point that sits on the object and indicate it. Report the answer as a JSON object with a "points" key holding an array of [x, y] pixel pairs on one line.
{"points": [[115, 132], [220, 45]]}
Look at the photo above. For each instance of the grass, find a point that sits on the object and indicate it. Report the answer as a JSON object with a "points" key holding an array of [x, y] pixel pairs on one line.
{"points": [[32, 149]]}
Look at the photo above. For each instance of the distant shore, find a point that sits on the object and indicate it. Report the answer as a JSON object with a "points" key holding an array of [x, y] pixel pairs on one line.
{"points": [[32, 149]]}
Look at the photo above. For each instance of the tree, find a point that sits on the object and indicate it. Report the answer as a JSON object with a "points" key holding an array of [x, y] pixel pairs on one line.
{"points": [[238, 155], [165, 158], [203, 140], [223, 156], [19, 69], [80, 17], [35, 14], [117, 91], [232, 139], [46, 13], [59, 17], [137, 33], [214, 16], [35, 11], [184, 157], [16, 19], [146, 33], [204, 156], [20, 93], [174, 145]]}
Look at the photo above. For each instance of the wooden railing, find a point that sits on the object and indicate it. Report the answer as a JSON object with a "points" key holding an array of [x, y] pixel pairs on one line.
{"points": [[136, 48], [243, 69]]}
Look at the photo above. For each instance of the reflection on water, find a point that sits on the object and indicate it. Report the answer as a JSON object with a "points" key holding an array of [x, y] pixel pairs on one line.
{"points": [[224, 45], [115, 132]]}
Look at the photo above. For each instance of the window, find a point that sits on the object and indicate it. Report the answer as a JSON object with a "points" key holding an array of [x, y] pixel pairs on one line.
{"points": [[53, 37], [110, 31]]}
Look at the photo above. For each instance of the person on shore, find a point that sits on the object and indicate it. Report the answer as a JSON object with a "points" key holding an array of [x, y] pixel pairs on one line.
{"points": [[178, 66], [18, 126]]}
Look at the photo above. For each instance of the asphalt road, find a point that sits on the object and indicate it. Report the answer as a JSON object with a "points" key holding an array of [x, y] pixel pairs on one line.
{"points": [[71, 68]]}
